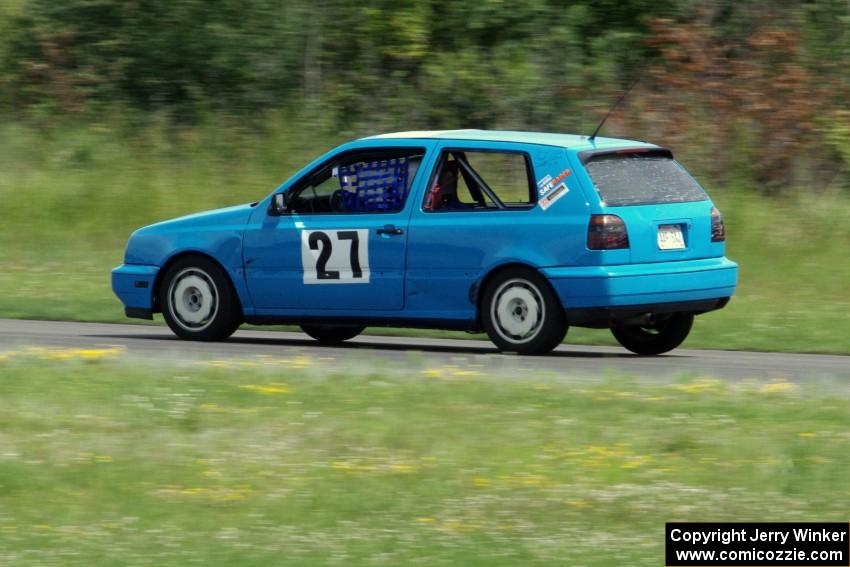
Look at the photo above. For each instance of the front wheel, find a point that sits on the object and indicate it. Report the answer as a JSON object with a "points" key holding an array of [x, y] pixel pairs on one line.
{"points": [[198, 301], [668, 332], [331, 334], [521, 313]]}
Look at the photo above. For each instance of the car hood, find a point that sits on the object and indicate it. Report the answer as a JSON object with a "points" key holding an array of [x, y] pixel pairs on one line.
{"points": [[225, 216], [217, 233]]}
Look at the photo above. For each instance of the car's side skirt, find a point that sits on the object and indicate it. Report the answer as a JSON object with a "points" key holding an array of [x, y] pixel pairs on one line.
{"points": [[138, 313], [360, 321]]}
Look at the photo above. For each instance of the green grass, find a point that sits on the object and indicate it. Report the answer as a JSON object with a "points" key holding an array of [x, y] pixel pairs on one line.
{"points": [[112, 461], [72, 195]]}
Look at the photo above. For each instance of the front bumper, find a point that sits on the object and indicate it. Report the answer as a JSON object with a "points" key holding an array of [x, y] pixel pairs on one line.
{"points": [[644, 284], [134, 286]]}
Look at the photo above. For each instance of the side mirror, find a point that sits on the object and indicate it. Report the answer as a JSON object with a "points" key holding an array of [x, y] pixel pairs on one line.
{"points": [[279, 204]]}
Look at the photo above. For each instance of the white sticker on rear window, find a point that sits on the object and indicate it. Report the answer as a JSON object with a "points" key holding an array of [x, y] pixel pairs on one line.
{"points": [[553, 195], [335, 256]]}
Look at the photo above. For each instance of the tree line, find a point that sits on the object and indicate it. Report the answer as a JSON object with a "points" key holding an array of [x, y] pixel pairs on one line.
{"points": [[756, 83]]}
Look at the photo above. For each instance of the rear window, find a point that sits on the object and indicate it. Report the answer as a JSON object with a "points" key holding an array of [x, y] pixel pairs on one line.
{"points": [[623, 180]]}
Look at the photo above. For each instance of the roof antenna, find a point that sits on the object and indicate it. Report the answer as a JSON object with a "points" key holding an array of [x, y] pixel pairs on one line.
{"points": [[616, 104]]}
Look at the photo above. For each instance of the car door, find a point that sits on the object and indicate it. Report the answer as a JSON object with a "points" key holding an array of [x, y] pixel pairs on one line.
{"points": [[342, 244]]}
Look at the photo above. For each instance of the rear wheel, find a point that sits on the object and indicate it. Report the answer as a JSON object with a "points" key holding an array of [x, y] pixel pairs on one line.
{"points": [[331, 334], [668, 332], [198, 301], [521, 313]]}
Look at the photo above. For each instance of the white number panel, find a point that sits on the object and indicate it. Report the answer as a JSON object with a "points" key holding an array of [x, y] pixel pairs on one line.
{"points": [[335, 256]]}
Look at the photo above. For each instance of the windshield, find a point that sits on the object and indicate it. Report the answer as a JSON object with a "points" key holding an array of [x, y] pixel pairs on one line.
{"points": [[631, 179]]}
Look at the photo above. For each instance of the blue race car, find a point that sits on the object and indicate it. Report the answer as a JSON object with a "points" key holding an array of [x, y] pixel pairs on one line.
{"points": [[518, 234]]}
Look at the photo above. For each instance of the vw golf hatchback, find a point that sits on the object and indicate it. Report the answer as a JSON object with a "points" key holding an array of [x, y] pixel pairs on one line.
{"points": [[517, 234]]}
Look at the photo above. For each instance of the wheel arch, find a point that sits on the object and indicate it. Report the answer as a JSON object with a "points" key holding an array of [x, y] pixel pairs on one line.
{"points": [[160, 275], [476, 292]]}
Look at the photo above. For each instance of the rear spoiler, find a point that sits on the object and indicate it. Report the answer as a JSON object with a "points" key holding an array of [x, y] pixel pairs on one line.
{"points": [[588, 155]]}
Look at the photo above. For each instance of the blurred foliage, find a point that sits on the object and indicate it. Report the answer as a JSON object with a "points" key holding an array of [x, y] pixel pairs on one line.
{"points": [[119, 113], [718, 78]]}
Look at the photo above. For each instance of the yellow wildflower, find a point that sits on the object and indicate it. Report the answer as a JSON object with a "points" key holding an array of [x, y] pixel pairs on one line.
{"points": [[271, 389], [777, 387]]}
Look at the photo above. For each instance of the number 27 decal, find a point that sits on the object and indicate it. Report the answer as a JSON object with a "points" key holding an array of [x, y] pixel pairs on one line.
{"points": [[335, 256]]}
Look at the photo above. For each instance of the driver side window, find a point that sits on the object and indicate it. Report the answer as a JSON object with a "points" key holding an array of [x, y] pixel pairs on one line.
{"points": [[373, 181]]}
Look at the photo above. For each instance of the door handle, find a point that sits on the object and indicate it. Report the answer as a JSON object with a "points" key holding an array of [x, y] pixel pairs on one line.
{"points": [[390, 230]]}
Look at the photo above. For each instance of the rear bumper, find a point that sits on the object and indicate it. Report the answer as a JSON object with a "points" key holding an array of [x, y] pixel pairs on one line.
{"points": [[606, 316], [644, 284], [133, 284]]}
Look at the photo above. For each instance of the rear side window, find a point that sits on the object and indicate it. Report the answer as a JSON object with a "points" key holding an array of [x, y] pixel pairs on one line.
{"points": [[507, 174], [478, 180], [625, 179]]}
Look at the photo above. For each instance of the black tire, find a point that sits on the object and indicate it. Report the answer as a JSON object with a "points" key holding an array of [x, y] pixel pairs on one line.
{"points": [[521, 313], [198, 301], [331, 334], [666, 334]]}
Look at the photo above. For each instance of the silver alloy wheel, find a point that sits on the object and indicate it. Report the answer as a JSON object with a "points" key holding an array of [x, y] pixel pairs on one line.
{"points": [[193, 299], [517, 311]]}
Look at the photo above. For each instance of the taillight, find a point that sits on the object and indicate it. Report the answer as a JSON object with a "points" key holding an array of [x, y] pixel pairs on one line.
{"points": [[718, 229], [607, 232]]}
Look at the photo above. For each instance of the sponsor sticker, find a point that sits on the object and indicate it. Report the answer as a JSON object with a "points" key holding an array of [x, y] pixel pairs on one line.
{"points": [[554, 195], [548, 183], [544, 181]]}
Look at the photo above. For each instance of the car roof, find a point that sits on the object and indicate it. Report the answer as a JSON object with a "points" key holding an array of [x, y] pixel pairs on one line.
{"points": [[569, 141]]}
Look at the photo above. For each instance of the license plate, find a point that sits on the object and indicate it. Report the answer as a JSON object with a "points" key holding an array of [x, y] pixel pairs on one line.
{"points": [[670, 237]]}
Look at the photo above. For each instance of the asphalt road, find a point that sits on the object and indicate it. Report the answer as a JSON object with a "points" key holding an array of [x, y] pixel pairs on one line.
{"points": [[153, 341]]}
